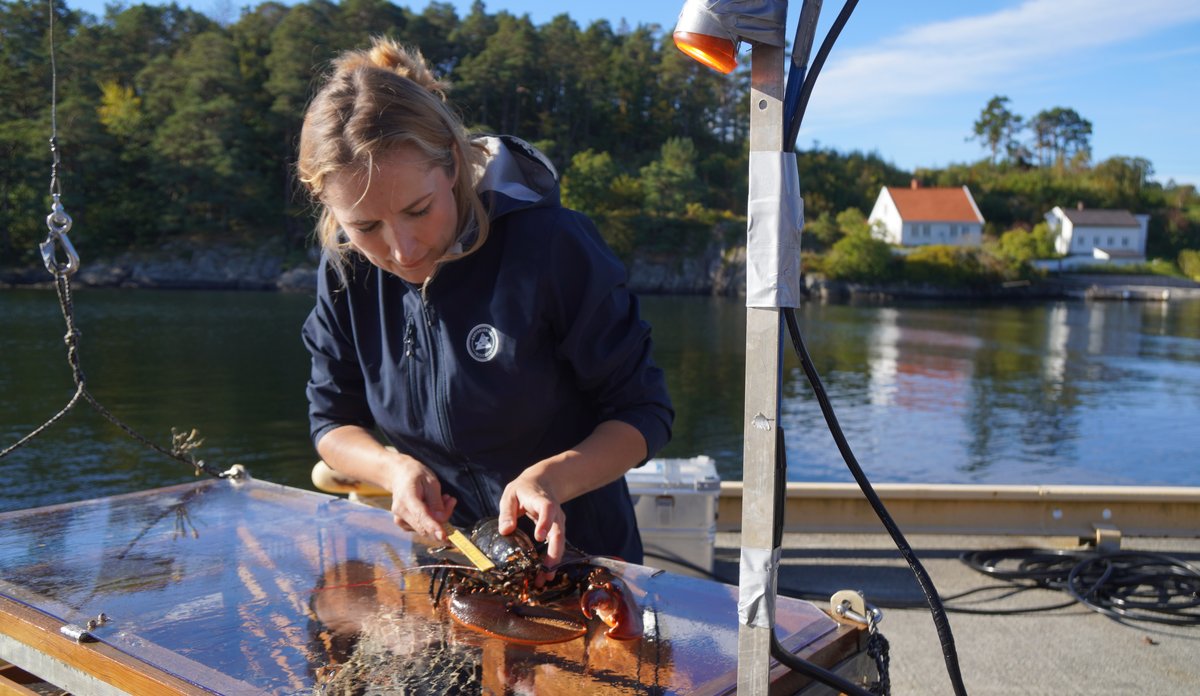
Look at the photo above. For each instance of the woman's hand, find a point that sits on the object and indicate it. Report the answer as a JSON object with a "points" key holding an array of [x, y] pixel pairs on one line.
{"points": [[539, 492], [418, 504], [529, 495]]}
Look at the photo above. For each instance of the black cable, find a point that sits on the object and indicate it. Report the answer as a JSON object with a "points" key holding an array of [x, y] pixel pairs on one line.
{"points": [[940, 620], [813, 671], [783, 655], [792, 123], [806, 27], [1124, 585]]}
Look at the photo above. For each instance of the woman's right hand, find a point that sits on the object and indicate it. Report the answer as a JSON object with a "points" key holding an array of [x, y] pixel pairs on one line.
{"points": [[418, 504]]}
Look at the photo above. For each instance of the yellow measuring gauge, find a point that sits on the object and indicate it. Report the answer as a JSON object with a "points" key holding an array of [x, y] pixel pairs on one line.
{"points": [[470, 550]]}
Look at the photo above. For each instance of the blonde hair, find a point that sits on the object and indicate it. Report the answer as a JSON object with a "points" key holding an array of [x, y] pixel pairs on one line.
{"points": [[374, 101]]}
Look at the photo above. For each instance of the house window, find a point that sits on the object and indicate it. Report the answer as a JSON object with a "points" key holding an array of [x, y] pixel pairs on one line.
{"points": [[1110, 241], [1124, 241]]}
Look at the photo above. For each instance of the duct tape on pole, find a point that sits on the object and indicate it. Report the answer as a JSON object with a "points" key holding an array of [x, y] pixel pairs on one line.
{"points": [[775, 218]]}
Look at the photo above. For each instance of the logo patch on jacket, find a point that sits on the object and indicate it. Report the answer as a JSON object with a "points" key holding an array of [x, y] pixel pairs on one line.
{"points": [[483, 342]]}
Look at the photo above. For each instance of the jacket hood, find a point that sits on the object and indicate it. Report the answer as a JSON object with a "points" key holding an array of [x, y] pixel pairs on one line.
{"points": [[516, 176]]}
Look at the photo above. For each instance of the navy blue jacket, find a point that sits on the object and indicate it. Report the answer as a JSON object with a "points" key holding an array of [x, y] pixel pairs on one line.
{"points": [[515, 352]]}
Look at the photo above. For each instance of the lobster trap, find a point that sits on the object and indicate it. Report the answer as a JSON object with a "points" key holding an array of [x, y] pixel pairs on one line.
{"points": [[246, 587]]}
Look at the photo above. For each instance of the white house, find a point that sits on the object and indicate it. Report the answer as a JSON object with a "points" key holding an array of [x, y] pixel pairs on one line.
{"points": [[1114, 236], [918, 216]]}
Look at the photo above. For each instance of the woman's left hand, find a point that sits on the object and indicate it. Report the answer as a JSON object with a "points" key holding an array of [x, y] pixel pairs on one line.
{"points": [[530, 496], [539, 492]]}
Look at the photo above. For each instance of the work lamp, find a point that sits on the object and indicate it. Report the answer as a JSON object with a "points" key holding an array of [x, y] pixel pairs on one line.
{"points": [[710, 30], [699, 34]]}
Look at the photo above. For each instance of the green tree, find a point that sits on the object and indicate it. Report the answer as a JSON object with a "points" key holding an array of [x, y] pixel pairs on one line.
{"points": [[670, 182], [432, 31], [199, 145], [358, 20], [471, 34], [821, 233], [832, 182], [631, 87], [299, 47], [587, 184], [24, 76], [852, 221], [498, 80], [1059, 134], [1022, 245], [1120, 181], [997, 126]]}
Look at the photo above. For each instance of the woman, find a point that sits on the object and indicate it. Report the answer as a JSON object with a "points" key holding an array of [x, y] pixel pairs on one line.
{"points": [[483, 330]]}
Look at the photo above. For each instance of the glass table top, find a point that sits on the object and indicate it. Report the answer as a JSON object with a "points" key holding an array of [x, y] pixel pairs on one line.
{"points": [[255, 588]]}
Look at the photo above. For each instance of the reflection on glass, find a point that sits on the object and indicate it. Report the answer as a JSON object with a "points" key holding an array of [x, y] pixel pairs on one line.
{"points": [[253, 588]]}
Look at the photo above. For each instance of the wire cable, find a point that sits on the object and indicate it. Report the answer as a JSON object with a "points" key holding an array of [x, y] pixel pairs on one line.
{"points": [[940, 620]]}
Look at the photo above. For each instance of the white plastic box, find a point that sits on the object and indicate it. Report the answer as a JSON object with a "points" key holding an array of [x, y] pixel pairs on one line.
{"points": [[675, 501]]}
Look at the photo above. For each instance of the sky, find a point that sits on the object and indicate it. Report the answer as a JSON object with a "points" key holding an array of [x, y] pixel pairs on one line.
{"points": [[907, 80]]}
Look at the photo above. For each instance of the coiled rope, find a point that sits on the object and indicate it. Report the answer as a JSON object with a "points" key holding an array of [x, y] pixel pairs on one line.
{"points": [[59, 224]]}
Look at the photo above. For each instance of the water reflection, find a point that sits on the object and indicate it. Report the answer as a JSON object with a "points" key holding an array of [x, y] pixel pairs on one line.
{"points": [[1053, 393], [1056, 392]]}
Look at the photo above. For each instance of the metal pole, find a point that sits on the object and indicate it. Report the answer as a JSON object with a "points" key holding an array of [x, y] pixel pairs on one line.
{"points": [[764, 360]]}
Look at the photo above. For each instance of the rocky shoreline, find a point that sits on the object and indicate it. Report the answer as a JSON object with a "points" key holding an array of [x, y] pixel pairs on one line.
{"points": [[717, 271]]}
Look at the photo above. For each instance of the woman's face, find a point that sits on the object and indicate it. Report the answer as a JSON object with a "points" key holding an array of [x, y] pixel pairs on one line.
{"points": [[400, 214]]}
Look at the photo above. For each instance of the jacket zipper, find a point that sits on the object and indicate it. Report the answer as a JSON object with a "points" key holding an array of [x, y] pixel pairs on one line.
{"points": [[441, 397], [410, 341]]}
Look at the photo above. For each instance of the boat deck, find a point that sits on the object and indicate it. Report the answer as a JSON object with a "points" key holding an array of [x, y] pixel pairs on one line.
{"points": [[1065, 651]]}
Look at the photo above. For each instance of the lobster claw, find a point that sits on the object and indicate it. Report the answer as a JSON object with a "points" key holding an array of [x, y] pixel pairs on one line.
{"points": [[607, 597], [496, 616]]}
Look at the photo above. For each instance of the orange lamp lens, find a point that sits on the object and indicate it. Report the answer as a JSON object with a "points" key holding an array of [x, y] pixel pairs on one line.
{"points": [[718, 54]]}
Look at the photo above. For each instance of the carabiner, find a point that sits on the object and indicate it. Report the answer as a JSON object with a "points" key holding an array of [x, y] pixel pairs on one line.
{"points": [[59, 224]]}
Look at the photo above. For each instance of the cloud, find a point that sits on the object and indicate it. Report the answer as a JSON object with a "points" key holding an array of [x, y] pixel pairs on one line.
{"points": [[985, 52]]}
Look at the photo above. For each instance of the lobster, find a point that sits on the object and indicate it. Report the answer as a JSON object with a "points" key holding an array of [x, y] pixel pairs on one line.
{"points": [[506, 603]]}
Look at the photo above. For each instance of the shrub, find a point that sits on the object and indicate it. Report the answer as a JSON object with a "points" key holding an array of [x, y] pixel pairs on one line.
{"points": [[860, 257], [1189, 263], [941, 264]]}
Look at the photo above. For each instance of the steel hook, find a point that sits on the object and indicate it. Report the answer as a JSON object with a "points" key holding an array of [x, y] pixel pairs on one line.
{"points": [[59, 224]]}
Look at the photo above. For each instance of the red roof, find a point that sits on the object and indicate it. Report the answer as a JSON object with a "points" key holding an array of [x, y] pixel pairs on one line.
{"points": [[934, 204]]}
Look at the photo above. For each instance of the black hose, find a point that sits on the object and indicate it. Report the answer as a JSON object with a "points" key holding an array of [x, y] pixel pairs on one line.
{"points": [[940, 620], [806, 27], [792, 122]]}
